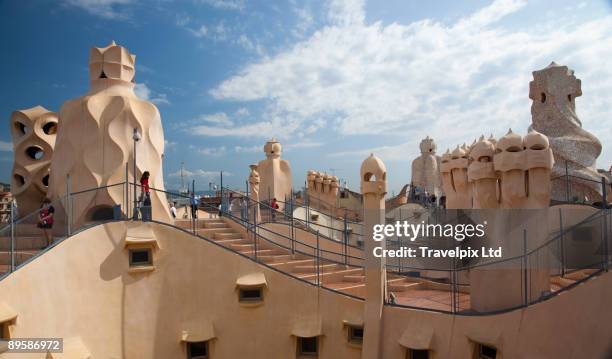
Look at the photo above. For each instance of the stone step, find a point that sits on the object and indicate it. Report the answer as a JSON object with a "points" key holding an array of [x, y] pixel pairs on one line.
{"points": [[283, 258], [348, 288], [20, 256], [263, 252], [330, 277], [227, 235], [400, 287], [289, 265], [313, 268], [359, 278], [227, 242], [23, 243], [210, 232], [216, 225]]}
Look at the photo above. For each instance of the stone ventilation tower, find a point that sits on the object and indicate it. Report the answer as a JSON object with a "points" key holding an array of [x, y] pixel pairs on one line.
{"points": [[33, 132], [426, 168], [553, 91], [323, 189], [95, 144], [373, 175], [275, 174], [511, 173]]}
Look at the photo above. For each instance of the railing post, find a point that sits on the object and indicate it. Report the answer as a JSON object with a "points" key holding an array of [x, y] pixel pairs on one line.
{"points": [[604, 204], [453, 284], [292, 224], [567, 184], [135, 210], [255, 232], [525, 284], [562, 232], [68, 205], [318, 262], [126, 195], [345, 235], [12, 235]]}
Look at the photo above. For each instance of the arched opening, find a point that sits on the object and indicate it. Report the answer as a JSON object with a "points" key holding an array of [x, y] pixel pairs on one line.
{"points": [[103, 75], [45, 181], [20, 128], [569, 98], [369, 177], [514, 149], [35, 152], [101, 213], [19, 180], [50, 128], [543, 97]]}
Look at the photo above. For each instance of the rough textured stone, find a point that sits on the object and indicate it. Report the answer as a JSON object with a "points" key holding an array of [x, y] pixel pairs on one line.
{"points": [[33, 133], [426, 168], [553, 92], [94, 140]]}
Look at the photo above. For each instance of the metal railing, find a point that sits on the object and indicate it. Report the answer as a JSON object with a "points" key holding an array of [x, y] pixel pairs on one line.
{"points": [[575, 251]]}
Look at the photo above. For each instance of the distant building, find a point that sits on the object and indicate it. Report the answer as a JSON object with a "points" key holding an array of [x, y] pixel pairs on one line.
{"points": [[5, 206]]}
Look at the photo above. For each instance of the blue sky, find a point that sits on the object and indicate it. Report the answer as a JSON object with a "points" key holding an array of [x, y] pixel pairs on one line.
{"points": [[333, 80]]}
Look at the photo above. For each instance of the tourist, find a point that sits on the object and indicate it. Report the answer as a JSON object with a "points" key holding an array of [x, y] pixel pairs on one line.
{"points": [[45, 220], [173, 210], [417, 193], [194, 206], [146, 196], [220, 210], [274, 207], [231, 205], [244, 208]]}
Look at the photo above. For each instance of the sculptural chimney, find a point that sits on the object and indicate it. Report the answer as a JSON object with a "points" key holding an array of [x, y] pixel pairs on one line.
{"points": [[373, 188], [275, 174], [94, 143]]}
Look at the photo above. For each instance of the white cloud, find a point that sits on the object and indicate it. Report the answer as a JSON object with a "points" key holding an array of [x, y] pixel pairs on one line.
{"points": [[277, 127], [302, 144], [219, 118], [250, 45], [346, 12], [242, 111], [6, 146], [211, 151], [198, 173], [143, 92], [425, 77], [202, 31], [248, 149], [169, 145], [226, 4], [107, 9], [305, 21]]}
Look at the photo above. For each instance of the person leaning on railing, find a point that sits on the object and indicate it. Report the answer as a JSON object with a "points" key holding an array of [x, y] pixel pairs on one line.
{"points": [[45, 219], [145, 196]]}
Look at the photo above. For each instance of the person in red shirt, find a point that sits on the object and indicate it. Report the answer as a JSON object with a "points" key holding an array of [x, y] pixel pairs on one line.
{"points": [[45, 219], [146, 196], [274, 205]]}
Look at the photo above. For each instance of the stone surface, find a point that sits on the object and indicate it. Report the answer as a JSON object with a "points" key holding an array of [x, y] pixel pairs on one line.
{"points": [[426, 168], [322, 190], [95, 143], [553, 91], [254, 181], [275, 174], [34, 133], [496, 178]]}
